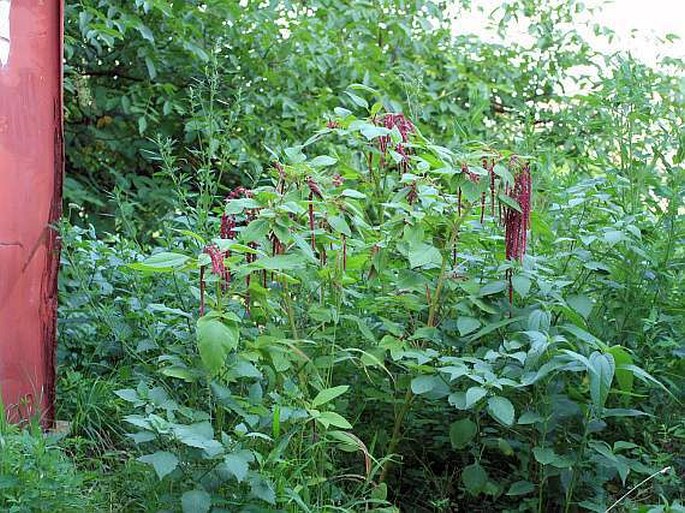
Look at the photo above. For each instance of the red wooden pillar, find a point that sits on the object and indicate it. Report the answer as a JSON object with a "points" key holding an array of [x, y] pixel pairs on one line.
{"points": [[31, 167]]}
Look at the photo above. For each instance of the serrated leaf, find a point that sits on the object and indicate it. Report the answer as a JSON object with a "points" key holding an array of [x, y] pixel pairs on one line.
{"points": [[501, 409], [467, 325], [474, 478], [196, 501], [424, 255], [215, 339], [473, 395], [462, 432], [163, 462], [521, 285], [238, 464], [423, 384]]}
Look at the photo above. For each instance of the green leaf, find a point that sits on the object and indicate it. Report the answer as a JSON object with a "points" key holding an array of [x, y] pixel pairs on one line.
{"points": [[357, 100], [580, 304], [474, 478], [424, 384], [521, 284], [163, 462], [339, 224], [322, 161], [462, 432], [215, 339], [329, 394], [473, 395], [623, 376], [161, 262], [601, 375], [492, 287], [238, 464], [509, 202], [330, 418], [467, 325], [196, 501], [424, 255], [521, 488], [262, 489], [501, 409], [256, 230]]}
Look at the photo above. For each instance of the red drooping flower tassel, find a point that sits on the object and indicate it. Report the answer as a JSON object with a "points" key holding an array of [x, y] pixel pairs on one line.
{"points": [[516, 224], [405, 127], [344, 252], [202, 291], [314, 190]]}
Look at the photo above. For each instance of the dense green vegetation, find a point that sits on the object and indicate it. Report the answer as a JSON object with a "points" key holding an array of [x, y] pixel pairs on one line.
{"points": [[303, 268]]}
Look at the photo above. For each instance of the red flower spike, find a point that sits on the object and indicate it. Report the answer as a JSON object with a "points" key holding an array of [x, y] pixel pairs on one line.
{"points": [[405, 127], [217, 258], [202, 291]]}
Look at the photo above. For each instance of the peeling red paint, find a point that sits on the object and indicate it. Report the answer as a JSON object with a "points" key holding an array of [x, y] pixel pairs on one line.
{"points": [[31, 168]]}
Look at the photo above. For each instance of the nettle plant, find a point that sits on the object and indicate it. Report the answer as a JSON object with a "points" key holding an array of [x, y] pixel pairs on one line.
{"points": [[351, 288]]}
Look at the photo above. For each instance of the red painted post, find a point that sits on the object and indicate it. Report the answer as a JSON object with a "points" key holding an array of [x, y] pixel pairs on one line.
{"points": [[31, 167]]}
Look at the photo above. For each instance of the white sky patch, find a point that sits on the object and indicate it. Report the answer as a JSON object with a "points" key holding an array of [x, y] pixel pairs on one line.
{"points": [[641, 27], [4, 31]]}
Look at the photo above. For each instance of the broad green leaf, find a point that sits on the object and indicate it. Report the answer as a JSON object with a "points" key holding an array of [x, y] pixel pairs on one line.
{"points": [[238, 464], [501, 409], [163, 462], [262, 489], [328, 395], [322, 161], [467, 325], [474, 478], [473, 395], [521, 284], [424, 255], [161, 262], [462, 432], [196, 501], [424, 384], [521, 488], [339, 224], [493, 287], [330, 418], [581, 304], [601, 375], [623, 376], [215, 339]]}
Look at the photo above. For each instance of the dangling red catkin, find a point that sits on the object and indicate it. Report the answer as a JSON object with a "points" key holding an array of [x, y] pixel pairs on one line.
{"points": [[344, 252], [517, 223], [311, 220], [202, 291]]}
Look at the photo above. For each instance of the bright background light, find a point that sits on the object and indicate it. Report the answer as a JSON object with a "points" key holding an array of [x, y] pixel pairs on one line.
{"points": [[640, 26]]}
